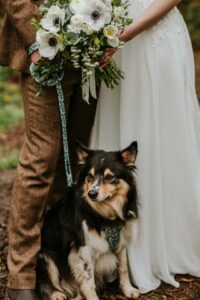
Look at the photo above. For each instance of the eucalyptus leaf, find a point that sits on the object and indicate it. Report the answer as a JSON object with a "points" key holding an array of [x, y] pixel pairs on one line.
{"points": [[72, 35]]}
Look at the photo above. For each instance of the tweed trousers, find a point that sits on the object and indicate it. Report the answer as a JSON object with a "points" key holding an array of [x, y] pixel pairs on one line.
{"points": [[41, 179]]}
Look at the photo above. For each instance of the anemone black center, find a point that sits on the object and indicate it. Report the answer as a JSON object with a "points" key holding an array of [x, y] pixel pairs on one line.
{"points": [[56, 22], [52, 42], [95, 15]]}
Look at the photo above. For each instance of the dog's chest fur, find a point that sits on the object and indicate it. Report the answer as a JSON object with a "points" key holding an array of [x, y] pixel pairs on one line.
{"points": [[105, 261]]}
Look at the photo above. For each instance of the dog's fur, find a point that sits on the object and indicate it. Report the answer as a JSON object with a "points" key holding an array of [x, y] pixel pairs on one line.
{"points": [[75, 258]]}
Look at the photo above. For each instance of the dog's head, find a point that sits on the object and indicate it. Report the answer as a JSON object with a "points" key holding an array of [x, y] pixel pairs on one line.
{"points": [[106, 179]]}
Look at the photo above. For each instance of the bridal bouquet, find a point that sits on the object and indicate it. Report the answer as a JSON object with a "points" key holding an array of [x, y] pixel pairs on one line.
{"points": [[80, 31]]}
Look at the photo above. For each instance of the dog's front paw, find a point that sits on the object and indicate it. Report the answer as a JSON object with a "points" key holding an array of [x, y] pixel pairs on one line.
{"points": [[78, 297], [94, 297], [131, 292], [58, 296]]}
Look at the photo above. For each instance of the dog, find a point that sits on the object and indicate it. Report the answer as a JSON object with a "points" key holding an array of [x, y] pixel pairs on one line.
{"points": [[85, 236]]}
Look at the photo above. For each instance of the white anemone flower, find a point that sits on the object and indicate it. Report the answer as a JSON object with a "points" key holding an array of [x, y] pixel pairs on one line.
{"points": [[108, 4], [96, 13], [54, 19], [48, 44]]}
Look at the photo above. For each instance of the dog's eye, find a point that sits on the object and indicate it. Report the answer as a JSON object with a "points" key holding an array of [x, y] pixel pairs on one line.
{"points": [[110, 178], [90, 177]]}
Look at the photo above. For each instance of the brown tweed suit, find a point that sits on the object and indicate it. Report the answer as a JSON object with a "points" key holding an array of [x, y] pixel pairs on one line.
{"points": [[40, 175]]}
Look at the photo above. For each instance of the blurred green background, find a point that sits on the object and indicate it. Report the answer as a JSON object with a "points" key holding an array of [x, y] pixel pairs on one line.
{"points": [[191, 12], [11, 107]]}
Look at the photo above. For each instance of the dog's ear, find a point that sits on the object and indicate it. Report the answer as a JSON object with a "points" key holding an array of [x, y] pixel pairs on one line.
{"points": [[82, 152], [129, 154]]}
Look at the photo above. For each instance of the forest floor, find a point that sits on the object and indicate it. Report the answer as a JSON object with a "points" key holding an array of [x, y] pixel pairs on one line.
{"points": [[189, 286]]}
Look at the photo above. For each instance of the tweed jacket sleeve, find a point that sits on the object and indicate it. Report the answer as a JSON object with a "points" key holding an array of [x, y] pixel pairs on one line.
{"points": [[20, 13]]}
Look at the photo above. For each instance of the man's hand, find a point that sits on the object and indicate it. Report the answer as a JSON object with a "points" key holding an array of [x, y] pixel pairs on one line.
{"points": [[107, 57], [35, 57]]}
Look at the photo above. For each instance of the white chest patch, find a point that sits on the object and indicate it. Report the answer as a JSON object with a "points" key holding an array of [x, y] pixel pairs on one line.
{"points": [[106, 264], [95, 241]]}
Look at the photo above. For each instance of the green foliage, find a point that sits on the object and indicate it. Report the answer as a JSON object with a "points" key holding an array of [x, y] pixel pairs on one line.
{"points": [[5, 73], [11, 113], [8, 158], [36, 24], [116, 2], [10, 116], [191, 12], [193, 21], [11, 110]]}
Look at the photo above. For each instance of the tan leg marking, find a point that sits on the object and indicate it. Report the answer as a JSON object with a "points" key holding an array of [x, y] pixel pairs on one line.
{"points": [[125, 284]]}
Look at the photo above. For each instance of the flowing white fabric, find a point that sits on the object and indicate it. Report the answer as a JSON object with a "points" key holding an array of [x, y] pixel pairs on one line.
{"points": [[156, 104]]}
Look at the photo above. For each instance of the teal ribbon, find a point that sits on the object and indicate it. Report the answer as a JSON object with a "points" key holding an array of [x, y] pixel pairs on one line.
{"points": [[34, 47], [44, 78], [64, 134]]}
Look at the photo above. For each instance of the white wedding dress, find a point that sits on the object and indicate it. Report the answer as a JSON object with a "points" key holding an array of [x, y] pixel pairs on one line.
{"points": [[156, 105]]}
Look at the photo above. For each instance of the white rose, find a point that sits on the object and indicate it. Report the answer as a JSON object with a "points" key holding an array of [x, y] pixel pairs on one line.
{"points": [[87, 29], [72, 29], [114, 42], [77, 21], [110, 31], [119, 11]]}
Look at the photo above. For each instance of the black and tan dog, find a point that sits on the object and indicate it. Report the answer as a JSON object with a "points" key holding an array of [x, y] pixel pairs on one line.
{"points": [[85, 237]]}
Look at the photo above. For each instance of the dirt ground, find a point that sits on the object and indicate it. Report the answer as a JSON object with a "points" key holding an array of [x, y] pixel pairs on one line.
{"points": [[189, 286]]}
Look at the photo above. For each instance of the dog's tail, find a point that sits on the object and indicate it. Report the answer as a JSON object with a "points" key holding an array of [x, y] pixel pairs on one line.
{"points": [[49, 279]]}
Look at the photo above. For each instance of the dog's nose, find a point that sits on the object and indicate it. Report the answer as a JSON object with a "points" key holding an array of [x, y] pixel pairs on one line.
{"points": [[93, 194]]}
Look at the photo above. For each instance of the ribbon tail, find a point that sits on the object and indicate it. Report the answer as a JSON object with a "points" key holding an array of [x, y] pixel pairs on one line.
{"points": [[93, 89], [85, 87], [89, 85]]}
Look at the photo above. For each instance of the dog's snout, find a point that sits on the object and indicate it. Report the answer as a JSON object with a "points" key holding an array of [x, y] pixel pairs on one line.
{"points": [[93, 194]]}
